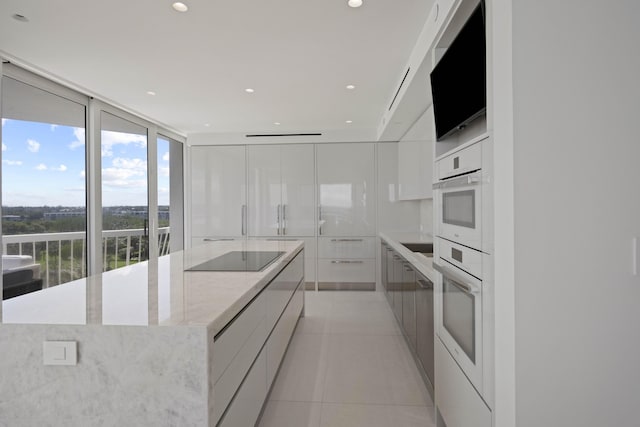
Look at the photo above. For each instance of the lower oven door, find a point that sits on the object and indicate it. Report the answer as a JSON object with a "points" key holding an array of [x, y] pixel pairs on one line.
{"points": [[459, 322]]}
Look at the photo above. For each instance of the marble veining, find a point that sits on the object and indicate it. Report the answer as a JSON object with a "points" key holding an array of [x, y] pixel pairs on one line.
{"points": [[159, 293], [145, 342]]}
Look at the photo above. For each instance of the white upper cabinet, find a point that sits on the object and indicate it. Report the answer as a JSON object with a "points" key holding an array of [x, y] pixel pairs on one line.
{"points": [[346, 189], [218, 191], [281, 190], [415, 159], [393, 214]]}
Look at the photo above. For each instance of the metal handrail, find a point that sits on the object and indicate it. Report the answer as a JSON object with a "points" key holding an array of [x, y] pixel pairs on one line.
{"points": [[24, 241]]}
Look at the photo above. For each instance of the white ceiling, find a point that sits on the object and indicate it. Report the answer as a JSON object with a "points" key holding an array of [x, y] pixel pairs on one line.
{"points": [[298, 55]]}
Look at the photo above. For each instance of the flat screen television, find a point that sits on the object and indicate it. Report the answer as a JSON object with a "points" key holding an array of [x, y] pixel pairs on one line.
{"points": [[458, 81]]}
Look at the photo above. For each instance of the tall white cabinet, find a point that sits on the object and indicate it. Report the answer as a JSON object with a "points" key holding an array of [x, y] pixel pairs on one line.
{"points": [[281, 196], [218, 193], [281, 190], [347, 215]]}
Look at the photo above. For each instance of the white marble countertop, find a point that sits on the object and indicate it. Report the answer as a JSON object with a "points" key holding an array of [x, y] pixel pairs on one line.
{"points": [[155, 293], [420, 262]]}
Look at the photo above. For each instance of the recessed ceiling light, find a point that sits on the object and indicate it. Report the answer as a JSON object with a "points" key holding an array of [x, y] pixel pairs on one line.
{"points": [[349, 122], [354, 3], [180, 7], [351, 87], [276, 123], [20, 18], [249, 90], [150, 92]]}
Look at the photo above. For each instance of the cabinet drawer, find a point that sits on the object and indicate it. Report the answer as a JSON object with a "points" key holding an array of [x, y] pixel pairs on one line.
{"points": [[225, 387], [231, 341], [282, 287], [470, 260], [279, 338], [247, 404], [457, 401], [466, 160], [347, 271], [346, 247]]}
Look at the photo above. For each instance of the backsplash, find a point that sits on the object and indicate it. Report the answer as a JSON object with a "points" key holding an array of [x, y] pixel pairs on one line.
{"points": [[426, 216]]}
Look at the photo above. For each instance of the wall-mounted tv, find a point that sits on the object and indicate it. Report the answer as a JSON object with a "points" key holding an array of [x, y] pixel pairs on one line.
{"points": [[458, 81]]}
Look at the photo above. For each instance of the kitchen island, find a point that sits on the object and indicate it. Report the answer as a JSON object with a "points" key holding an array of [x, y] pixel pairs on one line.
{"points": [[156, 345]]}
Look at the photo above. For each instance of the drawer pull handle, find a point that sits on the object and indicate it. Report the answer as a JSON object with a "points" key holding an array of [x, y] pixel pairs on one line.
{"points": [[346, 262], [346, 240]]}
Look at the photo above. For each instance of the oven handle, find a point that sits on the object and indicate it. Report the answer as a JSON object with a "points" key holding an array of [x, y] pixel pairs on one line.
{"points": [[463, 181], [457, 279]]}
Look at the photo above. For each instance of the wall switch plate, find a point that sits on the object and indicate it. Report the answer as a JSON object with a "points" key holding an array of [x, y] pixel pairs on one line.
{"points": [[60, 353]]}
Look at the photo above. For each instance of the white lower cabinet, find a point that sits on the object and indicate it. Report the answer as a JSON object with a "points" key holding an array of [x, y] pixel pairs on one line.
{"points": [[346, 263], [458, 403], [247, 404], [279, 339], [248, 351]]}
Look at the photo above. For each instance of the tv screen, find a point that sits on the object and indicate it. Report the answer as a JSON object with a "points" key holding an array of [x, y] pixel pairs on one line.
{"points": [[458, 81]]}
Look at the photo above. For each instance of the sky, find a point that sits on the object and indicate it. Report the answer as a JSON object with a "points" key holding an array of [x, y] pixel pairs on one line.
{"points": [[44, 164]]}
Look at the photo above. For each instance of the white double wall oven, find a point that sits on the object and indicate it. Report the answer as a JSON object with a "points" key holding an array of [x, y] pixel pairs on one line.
{"points": [[463, 247]]}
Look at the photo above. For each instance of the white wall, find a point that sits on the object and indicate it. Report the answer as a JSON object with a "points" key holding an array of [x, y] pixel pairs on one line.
{"points": [[576, 75]]}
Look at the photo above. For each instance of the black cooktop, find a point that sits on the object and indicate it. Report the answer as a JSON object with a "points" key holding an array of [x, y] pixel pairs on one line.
{"points": [[239, 261]]}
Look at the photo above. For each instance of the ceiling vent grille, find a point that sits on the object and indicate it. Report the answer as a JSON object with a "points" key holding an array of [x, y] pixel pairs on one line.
{"points": [[399, 87], [266, 135]]}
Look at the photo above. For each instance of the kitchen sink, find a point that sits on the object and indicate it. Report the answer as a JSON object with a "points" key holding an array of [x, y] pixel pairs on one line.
{"points": [[423, 248]]}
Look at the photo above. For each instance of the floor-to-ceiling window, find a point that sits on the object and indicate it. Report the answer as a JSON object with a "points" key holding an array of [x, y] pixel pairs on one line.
{"points": [[44, 202], [170, 206], [85, 186], [125, 203]]}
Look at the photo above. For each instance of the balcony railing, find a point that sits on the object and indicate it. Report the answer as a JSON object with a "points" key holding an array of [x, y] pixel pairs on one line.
{"points": [[62, 256]]}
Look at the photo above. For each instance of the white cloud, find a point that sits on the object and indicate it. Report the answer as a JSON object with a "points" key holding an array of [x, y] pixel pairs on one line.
{"points": [[127, 173], [33, 145], [165, 157], [79, 133], [4, 147], [53, 128], [82, 173], [163, 171], [12, 162], [163, 190], [4, 121], [109, 139], [41, 167], [60, 168]]}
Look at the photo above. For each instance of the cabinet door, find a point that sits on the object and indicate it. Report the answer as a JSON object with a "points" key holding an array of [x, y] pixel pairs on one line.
{"points": [[265, 199], [218, 191], [415, 159], [391, 214], [409, 304], [346, 189], [298, 200]]}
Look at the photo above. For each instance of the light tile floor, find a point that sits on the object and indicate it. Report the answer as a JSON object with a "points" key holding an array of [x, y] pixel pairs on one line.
{"points": [[348, 366]]}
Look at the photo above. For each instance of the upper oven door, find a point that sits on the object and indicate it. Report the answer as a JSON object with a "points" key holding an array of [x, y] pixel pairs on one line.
{"points": [[459, 322], [460, 210]]}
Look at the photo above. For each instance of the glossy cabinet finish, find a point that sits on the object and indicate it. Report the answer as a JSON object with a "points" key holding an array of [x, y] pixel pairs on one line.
{"points": [[346, 189], [409, 304], [281, 190], [415, 159], [248, 351], [411, 298], [218, 192], [425, 325], [391, 214]]}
